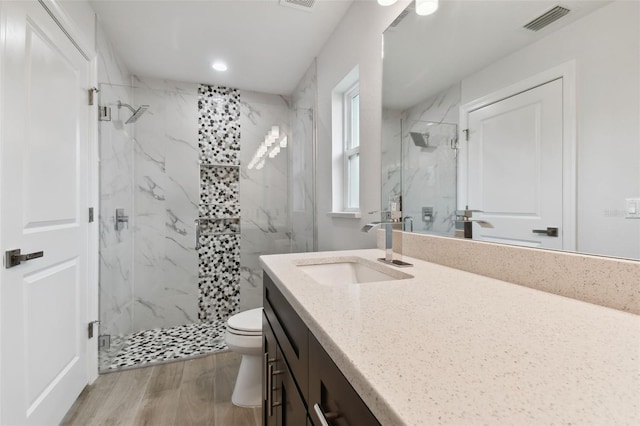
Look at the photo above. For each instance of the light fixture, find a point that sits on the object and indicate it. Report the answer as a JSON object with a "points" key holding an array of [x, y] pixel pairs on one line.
{"points": [[283, 142], [386, 2], [260, 165], [426, 7], [219, 66]]}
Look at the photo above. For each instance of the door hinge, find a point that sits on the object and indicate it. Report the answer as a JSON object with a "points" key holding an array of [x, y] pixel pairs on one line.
{"points": [[91, 92], [90, 328], [90, 214], [466, 134]]}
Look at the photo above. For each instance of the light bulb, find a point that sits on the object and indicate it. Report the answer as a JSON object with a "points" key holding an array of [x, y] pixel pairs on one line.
{"points": [[386, 2], [219, 66], [426, 7]]}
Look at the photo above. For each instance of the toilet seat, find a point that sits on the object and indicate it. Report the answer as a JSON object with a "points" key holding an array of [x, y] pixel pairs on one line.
{"points": [[247, 323]]}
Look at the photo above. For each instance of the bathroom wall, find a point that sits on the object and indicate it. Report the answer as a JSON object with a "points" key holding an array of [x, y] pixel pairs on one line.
{"points": [[166, 204], [357, 41], [301, 159], [607, 86], [264, 193], [116, 154]]}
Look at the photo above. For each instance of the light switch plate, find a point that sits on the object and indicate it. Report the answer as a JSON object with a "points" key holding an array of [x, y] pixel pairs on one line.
{"points": [[633, 208]]}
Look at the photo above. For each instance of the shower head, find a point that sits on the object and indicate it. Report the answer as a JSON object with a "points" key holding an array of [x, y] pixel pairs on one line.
{"points": [[136, 112], [421, 140]]}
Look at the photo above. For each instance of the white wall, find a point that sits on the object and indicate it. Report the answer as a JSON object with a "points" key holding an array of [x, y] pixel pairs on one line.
{"points": [[606, 48], [357, 41]]}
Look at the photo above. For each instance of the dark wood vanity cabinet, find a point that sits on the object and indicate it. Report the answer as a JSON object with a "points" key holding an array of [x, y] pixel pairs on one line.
{"points": [[301, 382]]}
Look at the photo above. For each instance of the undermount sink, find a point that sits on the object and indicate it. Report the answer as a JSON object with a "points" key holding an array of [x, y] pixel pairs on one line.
{"points": [[348, 270]]}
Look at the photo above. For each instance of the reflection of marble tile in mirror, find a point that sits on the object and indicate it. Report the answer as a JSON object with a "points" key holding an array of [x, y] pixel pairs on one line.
{"points": [[429, 175], [600, 38]]}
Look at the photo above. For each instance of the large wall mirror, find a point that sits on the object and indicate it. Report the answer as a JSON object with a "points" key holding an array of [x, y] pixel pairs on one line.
{"points": [[524, 113]]}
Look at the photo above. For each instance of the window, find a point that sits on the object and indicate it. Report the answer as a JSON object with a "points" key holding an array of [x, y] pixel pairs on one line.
{"points": [[351, 148], [345, 147]]}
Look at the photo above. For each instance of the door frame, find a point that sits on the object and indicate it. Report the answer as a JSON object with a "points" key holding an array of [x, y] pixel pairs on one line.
{"points": [[567, 72], [84, 44]]}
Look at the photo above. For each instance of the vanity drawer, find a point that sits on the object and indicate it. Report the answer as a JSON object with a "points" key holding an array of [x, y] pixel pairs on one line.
{"points": [[291, 333]]}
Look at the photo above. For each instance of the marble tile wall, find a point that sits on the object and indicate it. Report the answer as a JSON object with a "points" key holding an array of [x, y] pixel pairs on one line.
{"points": [[219, 127], [301, 147], [264, 193], [429, 175], [166, 204], [116, 191]]}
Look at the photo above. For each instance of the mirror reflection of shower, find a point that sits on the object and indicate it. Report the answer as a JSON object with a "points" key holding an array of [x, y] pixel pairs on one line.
{"points": [[429, 174]]}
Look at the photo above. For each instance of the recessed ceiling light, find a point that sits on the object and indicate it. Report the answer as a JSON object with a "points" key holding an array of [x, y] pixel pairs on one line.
{"points": [[219, 66]]}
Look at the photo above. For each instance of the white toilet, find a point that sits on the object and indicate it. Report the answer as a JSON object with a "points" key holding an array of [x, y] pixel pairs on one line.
{"points": [[244, 336]]}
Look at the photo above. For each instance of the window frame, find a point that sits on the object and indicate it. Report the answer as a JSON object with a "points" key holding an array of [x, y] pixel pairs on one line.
{"points": [[351, 133]]}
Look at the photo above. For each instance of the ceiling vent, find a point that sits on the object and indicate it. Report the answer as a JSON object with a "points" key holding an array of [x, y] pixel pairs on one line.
{"points": [[306, 5], [547, 18], [400, 17]]}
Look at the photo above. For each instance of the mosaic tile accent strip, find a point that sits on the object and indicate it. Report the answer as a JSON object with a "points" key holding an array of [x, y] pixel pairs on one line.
{"points": [[210, 226], [219, 297], [219, 185], [219, 125], [167, 344], [219, 252], [219, 255], [218, 211], [219, 270]]}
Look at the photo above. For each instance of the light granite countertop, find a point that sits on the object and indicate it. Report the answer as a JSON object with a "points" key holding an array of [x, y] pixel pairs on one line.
{"points": [[451, 347]]}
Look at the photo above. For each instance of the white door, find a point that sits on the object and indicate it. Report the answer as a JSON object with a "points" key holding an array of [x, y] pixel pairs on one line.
{"points": [[515, 168], [43, 187]]}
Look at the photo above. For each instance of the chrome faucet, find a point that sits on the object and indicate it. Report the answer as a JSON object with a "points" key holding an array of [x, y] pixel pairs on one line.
{"points": [[388, 242]]}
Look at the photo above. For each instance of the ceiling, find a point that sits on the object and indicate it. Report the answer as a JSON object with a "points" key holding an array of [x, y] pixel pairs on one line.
{"points": [[268, 47], [424, 55]]}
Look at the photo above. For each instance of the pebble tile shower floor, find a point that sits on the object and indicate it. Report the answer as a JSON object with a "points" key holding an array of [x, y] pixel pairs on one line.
{"points": [[163, 345]]}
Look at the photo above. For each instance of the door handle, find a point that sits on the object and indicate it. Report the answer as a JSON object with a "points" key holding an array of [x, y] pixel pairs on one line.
{"points": [[272, 404], [550, 232], [14, 258]]}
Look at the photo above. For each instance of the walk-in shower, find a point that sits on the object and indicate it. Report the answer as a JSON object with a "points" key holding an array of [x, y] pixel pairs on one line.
{"points": [[198, 216]]}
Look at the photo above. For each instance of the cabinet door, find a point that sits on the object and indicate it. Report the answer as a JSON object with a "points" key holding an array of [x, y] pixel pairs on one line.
{"points": [[331, 397], [290, 331], [291, 408], [270, 355], [282, 403]]}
